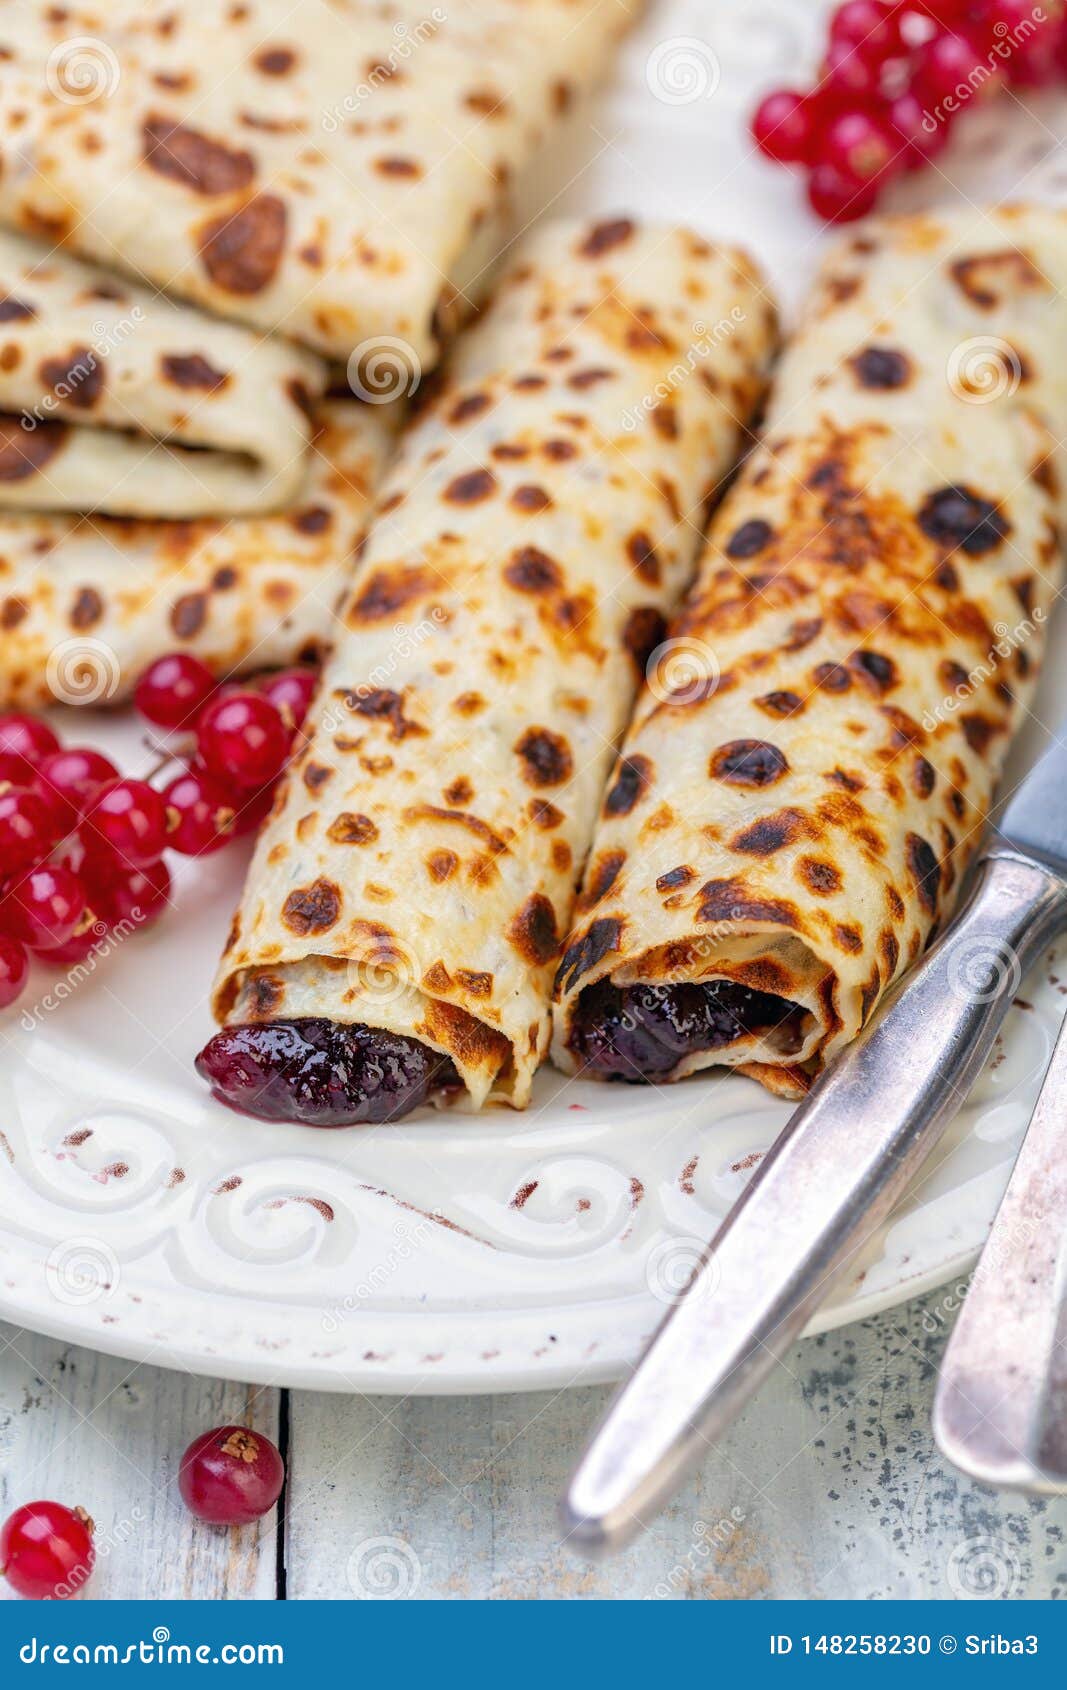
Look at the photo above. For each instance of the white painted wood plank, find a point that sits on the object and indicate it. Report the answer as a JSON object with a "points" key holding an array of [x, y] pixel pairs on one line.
{"points": [[830, 1485], [107, 1434]]}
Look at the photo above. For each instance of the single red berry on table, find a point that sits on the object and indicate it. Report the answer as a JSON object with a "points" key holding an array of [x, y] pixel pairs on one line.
{"points": [[290, 691], [71, 778], [28, 829], [26, 736], [200, 813], [130, 818], [46, 1550], [242, 739], [45, 906], [230, 1476], [138, 895], [174, 689], [14, 968]]}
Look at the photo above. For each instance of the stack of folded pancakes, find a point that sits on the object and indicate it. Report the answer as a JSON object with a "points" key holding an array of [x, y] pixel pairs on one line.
{"points": [[217, 223]]}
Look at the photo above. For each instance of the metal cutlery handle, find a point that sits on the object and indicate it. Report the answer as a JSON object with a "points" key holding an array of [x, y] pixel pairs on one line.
{"points": [[1001, 1407], [830, 1179]]}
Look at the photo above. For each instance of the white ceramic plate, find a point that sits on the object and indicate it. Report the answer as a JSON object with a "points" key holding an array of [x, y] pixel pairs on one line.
{"points": [[454, 1252]]}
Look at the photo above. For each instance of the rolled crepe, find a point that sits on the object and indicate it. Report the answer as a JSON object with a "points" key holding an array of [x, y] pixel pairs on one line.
{"points": [[793, 809], [407, 896], [113, 398], [87, 603], [339, 169]]}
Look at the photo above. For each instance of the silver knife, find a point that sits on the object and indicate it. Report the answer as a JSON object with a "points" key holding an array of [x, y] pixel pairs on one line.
{"points": [[1000, 1412], [831, 1177]]}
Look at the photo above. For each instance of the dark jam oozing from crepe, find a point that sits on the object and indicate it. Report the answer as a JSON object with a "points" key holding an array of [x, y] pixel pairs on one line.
{"points": [[639, 1033], [323, 1073]]}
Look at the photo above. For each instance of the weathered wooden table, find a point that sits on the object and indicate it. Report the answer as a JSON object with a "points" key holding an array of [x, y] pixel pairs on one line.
{"points": [[830, 1486]]}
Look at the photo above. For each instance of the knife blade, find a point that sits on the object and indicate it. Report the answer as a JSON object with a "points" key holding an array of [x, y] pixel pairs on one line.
{"points": [[1034, 820], [1000, 1413], [832, 1176]]}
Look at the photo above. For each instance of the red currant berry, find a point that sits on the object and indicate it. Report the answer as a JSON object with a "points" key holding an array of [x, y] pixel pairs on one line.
{"points": [[15, 770], [1039, 68], [241, 739], [71, 779], [137, 895], [130, 818], [781, 127], [1015, 31], [839, 198], [944, 66], [947, 13], [252, 808], [46, 1550], [846, 75], [87, 856], [26, 736], [290, 691], [14, 967], [917, 131], [45, 907], [230, 1476], [81, 944], [28, 829], [174, 689], [858, 146], [1028, 43], [200, 815], [872, 27]]}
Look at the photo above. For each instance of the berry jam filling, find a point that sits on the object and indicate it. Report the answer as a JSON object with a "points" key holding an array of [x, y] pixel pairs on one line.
{"points": [[641, 1032], [324, 1073]]}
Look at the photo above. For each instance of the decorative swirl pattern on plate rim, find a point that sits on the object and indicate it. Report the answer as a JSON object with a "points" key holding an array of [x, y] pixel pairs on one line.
{"points": [[270, 1256]]}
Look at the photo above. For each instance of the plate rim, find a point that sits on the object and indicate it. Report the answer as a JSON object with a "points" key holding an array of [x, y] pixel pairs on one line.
{"points": [[547, 1367]]}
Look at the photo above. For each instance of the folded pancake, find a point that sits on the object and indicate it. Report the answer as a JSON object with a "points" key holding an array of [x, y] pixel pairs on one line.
{"points": [[402, 915], [790, 818], [340, 169], [87, 603], [113, 398]]}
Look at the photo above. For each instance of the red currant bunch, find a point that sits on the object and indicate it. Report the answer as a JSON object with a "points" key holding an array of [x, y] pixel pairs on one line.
{"points": [[896, 76], [82, 847], [76, 840], [242, 739], [46, 904]]}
